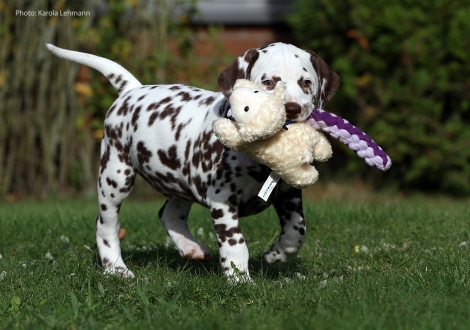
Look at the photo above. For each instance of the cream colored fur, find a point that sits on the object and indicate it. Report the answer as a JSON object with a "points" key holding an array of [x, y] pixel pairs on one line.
{"points": [[258, 133]]}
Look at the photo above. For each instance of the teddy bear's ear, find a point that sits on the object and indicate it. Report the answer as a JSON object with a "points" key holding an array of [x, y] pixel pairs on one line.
{"points": [[245, 83], [280, 91]]}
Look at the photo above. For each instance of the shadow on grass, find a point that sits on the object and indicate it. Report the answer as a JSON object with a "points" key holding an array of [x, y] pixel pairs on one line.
{"points": [[160, 256]]}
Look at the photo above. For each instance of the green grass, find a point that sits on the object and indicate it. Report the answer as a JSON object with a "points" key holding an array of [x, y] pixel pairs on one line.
{"points": [[400, 264]]}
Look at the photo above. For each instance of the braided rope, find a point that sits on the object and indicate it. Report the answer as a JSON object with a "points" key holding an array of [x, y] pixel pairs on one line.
{"points": [[352, 136]]}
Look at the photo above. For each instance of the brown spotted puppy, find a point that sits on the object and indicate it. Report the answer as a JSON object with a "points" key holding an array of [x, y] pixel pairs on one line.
{"points": [[164, 133]]}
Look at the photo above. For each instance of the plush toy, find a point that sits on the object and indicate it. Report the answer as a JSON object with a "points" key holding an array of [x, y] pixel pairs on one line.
{"points": [[259, 131]]}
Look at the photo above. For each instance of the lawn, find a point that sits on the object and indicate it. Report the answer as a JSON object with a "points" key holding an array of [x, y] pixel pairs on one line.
{"points": [[379, 263]]}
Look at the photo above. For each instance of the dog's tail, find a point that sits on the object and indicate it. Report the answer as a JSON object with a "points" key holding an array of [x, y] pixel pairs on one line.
{"points": [[121, 79]]}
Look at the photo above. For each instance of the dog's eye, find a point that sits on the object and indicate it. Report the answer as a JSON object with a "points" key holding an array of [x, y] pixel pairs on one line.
{"points": [[256, 92], [307, 83], [246, 109], [268, 83]]}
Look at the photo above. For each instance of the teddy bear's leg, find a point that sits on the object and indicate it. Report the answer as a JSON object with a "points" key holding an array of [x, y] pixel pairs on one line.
{"points": [[289, 209], [302, 177]]}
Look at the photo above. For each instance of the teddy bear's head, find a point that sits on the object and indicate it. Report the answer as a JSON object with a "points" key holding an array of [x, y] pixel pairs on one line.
{"points": [[258, 114]]}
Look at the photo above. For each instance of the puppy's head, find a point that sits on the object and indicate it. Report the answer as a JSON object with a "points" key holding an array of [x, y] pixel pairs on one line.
{"points": [[310, 81]]}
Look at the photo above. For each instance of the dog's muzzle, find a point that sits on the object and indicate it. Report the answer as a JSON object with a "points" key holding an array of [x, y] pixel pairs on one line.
{"points": [[292, 110]]}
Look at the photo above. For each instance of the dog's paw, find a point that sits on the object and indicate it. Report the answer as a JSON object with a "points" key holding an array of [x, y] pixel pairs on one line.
{"points": [[236, 279], [119, 271], [277, 254], [194, 251]]}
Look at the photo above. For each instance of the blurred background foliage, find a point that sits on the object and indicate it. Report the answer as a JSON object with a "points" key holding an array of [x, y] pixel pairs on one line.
{"points": [[52, 110], [405, 80]]}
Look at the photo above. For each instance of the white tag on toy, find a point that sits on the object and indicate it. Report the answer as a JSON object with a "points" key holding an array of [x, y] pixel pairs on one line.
{"points": [[268, 186]]}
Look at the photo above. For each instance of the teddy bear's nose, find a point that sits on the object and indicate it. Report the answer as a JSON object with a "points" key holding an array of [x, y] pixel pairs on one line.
{"points": [[292, 110]]}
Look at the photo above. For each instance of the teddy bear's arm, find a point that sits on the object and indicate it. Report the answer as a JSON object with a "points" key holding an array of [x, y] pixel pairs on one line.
{"points": [[227, 133], [322, 148]]}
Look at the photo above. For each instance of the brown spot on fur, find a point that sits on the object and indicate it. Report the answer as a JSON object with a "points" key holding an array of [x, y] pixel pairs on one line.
{"points": [[223, 233], [124, 107], [155, 106], [217, 214], [152, 118], [143, 154], [169, 111], [121, 87], [232, 242], [184, 96], [170, 158], [110, 111], [111, 183]]}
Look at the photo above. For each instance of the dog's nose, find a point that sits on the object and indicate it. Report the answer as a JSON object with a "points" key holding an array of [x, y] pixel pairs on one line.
{"points": [[292, 110]]}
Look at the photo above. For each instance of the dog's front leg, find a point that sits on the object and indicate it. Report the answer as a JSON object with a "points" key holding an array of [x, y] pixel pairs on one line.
{"points": [[232, 247], [289, 209]]}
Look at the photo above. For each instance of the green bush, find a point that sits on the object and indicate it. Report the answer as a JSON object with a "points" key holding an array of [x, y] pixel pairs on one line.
{"points": [[405, 80]]}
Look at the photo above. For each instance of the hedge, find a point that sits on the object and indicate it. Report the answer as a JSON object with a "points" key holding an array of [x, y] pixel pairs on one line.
{"points": [[405, 80]]}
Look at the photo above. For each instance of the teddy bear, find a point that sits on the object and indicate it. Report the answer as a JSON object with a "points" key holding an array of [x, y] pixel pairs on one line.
{"points": [[259, 131]]}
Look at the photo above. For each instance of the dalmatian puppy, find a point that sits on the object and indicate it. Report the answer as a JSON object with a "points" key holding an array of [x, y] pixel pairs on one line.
{"points": [[164, 133]]}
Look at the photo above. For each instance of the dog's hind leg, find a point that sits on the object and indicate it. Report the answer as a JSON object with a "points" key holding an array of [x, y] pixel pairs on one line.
{"points": [[174, 216], [116, 179]]}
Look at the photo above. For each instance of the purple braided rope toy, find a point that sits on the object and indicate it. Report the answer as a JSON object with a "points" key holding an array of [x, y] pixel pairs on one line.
{"points": [[352, 136]]}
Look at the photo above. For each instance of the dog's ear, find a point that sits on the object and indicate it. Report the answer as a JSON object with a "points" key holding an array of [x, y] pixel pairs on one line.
{"points": [[328, 80], [239, 69]]}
